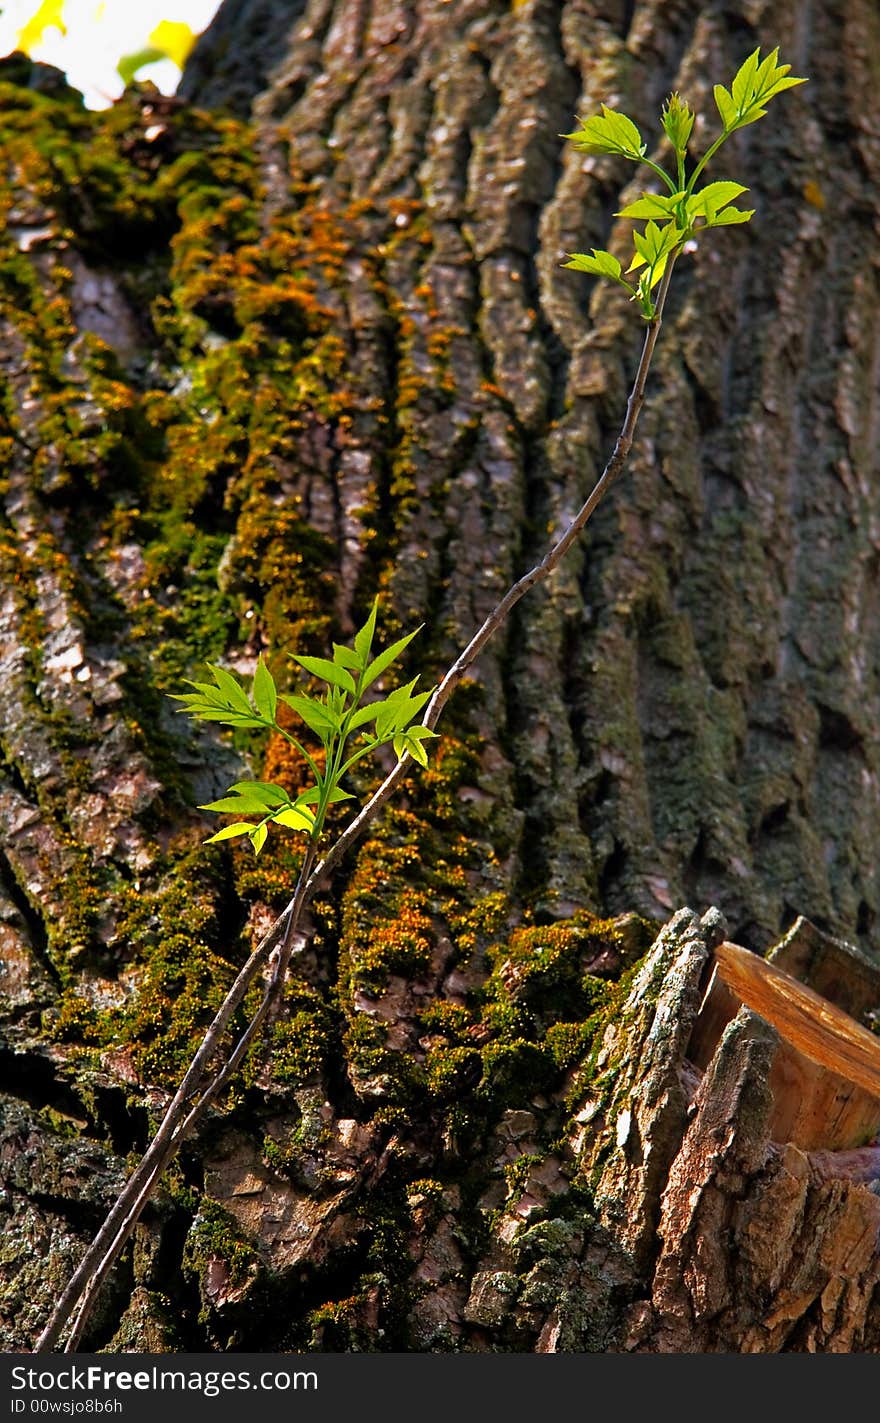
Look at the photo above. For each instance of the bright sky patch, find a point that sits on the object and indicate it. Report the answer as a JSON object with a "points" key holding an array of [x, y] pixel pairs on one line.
{"points": [[87, 39]]}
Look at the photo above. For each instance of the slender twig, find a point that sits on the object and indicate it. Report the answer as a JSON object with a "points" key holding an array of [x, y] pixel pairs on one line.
{"points": [[182, 1112], [273, 988], [554, 556], [121, 1219]]}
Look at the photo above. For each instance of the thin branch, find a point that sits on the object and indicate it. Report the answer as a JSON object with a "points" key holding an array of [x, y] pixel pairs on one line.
{"points": [[140, 1184], [117, 1244], [273, 989], [183, 1112], [182, 1130], [536, 575]]}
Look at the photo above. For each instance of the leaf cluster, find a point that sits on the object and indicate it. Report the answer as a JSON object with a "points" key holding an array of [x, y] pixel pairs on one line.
{"points": [[348, 726], [673, 217]]}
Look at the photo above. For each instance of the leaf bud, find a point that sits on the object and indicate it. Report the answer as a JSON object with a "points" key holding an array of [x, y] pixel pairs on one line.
{"points": [[678, 120]]}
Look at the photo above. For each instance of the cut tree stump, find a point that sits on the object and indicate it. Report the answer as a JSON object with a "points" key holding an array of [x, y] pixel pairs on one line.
{"points": [[722, 1139], [769, 1220], [825, 1077]]}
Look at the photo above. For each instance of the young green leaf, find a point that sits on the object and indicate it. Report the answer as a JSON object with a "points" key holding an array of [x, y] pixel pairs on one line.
{"points": [[194, 702], [709, 200], [600, 264], [363, 640], [129, 64], [385, 659], [241, 827], [393, 699], [751, 116], [209, 713], [258, 838], [346, 658], [755, 83], [295, 819], [403, 748], [643, 295], [317, 716], [655, 242], [336, 702], [205, 691], [211, 703], [410, 742], [609, 132], [264, 693], [725, 106], [328, 671], [743, 87], [781, 84], [417, 751], [653, 248], [661, 206], [313, 795], [266, 792], [422, 733], [729, 216], [400, 708], [232, 690], [672, 217], [364, 715], [237, 805]]}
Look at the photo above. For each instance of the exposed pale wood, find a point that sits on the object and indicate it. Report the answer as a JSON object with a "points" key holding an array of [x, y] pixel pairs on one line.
{"points": [[825, 1075], [752, 1244]]}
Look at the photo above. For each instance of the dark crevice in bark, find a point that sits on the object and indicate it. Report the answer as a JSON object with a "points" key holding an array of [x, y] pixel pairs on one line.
{"points": [[628, 10], [107, 1112], [836, 731], [34, 1079], [128, 1125], [11, 772], [33, 921], [611, 877], [706, 411], [81, 1216]]}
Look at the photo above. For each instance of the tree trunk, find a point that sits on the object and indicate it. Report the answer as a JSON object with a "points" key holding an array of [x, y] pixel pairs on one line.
{"points": [[266, 360]]}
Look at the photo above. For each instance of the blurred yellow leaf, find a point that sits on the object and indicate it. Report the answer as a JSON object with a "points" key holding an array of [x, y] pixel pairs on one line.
{"points": [[175, 39], [47, 17]]}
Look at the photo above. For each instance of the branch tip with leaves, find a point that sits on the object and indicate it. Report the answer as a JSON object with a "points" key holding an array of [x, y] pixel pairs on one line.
{"points": [[675, 217]]}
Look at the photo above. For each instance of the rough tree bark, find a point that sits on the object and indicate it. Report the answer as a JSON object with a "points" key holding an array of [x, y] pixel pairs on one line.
{"points": [[305, 336]]}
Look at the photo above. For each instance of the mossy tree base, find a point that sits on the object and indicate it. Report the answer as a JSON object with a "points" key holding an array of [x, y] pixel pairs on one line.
{"points": [[624, 1200]]}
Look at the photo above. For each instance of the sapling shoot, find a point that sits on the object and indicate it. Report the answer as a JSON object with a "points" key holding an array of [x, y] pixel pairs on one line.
{"points": [[348, 726]]}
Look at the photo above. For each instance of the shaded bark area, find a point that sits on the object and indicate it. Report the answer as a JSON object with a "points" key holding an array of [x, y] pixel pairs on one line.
{"points": [[256, 372]]}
